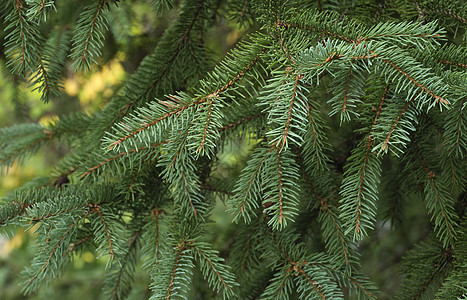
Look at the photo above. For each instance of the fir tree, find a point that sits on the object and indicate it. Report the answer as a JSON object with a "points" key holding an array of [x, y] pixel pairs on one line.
{"points": [[352, 111]]}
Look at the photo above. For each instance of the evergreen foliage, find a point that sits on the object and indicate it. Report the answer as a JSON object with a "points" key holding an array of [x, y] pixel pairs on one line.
{"points": [[351, 110]]}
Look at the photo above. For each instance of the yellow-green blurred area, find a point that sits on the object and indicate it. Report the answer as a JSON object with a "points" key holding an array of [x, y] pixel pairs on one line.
{"points": [[88, 92]]}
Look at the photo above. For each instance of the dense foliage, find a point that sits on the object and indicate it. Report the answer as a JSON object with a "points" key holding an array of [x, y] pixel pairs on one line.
{"points": [[325, 123]]}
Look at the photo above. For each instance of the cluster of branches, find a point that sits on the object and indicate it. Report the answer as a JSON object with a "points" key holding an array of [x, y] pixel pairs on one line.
{"points": [[143, 177]]}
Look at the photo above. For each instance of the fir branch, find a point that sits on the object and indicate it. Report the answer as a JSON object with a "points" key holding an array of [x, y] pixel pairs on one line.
{"points": [[167, 66], [356, 283], [324, 30], [159, 72], [50, 257], [113, 158], [283, 141], [22, 41], [119, 280], [401, 121], [280, 285], [454, 63], [38, 8], [313, 283], [209, 115], [439, 203], [335, 239], [30, 138], [316, 145], [446, 12], [96, 208], [20, 141], [425, 267], [156, 236], [455, 141], [75, 245], [246, 193], [285, 99], [418, 84], [182, 108], [432, 279], [268, 104], [180, 247], [343, 243], [393, 127], [344, 106], [347, 91], [47, 76], [280, 192], [358, 205], [180, 172], [54, 249], [362, 174], [160, 5], [89, 35], [218, 275]]}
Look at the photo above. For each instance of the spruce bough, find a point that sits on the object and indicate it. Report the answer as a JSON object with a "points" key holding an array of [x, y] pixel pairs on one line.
{"points": [[350, 112]]}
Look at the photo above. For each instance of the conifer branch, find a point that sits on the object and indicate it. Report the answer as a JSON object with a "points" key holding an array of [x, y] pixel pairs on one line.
{"points": [[442, 265], [206, 129], [214, 266], [344, 106], [19, 6], [396, 121], [156, 214], [133, 242], [312, 282], [38, 8], [453, 63], [325, 30], [418, 84], [380, 107], [73, 246], [356, 191], [167, 66], [187, 192], [175, 138], [89, 34], [328, 211], [315, 138], [359, 283], [44, 267], [400, 70], [447, 12], [251, 181], [282, 285], [177, 111], [281, 186], [96, 208], [360, 187], [180, 248], [9, 159], [283, 142], [442, 203], [101, 164]]}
